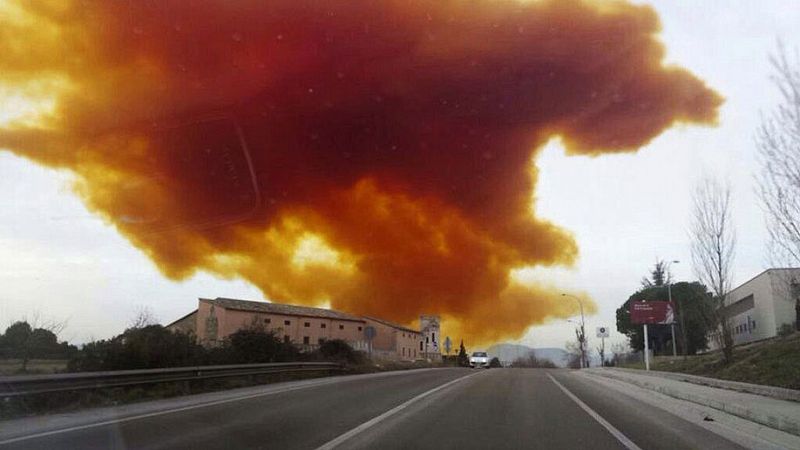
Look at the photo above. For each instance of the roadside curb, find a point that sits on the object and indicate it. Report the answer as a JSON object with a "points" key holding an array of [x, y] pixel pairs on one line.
{"points": [[783, 422], [758, 389]]}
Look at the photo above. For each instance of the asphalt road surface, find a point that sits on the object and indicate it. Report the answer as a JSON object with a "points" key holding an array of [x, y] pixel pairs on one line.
{"points": [[441, 409]]}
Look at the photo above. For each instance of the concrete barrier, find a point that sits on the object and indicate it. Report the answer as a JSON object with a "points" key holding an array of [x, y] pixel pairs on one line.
{"points": [[780, 414], [758, 389]]}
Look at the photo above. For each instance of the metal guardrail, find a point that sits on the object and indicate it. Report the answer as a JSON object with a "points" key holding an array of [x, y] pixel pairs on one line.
{"points": [[18, 385]]}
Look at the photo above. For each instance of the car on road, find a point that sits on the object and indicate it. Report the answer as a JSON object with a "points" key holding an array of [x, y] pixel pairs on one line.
{"points": [[479, 359]]}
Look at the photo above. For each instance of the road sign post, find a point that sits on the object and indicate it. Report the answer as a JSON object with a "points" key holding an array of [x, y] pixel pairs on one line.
{"points": [[370, 333], [602, 333], [658, 313]]}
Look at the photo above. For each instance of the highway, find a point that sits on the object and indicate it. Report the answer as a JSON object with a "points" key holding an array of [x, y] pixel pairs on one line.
{"points": [[440, 408]]}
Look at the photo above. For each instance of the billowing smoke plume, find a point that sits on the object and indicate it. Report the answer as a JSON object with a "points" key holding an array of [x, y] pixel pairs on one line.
{"points": [[376, 155]]}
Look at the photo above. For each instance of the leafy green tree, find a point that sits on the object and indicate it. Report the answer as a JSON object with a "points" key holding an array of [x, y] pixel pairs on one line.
{"points": [[149, 347], [463, 358], [691, 299], [16, 341], [658, 276], [256, 345], [24, 342]]}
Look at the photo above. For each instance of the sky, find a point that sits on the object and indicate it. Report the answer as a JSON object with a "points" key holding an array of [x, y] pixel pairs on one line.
{"points": [[59, 261]]}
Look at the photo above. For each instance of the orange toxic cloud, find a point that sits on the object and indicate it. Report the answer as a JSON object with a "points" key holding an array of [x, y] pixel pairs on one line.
{"points": [[374, 156]]}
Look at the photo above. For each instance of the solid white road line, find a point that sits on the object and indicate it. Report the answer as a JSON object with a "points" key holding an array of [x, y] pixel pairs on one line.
{"points": [[377, 419], [171, 411], [614, 432]]}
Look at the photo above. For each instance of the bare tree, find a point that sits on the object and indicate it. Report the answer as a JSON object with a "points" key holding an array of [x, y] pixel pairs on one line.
{"points": [[574, 356], [713, 240], [778, 143], [37, 320], [144, 317]]}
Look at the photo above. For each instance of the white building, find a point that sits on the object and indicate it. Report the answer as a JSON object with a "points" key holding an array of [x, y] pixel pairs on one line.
{"points": [[759, 307], [429, 326]]}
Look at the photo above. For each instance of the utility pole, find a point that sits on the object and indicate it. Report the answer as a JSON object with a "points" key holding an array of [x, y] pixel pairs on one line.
{"points": [[672, 325], [602, 352], [680, 314], [646, 349]]}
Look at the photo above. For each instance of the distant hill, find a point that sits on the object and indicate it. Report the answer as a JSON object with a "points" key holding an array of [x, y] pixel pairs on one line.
{"points": [[509, 352]]}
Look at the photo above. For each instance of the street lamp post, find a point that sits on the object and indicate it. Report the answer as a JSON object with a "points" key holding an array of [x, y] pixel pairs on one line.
{"points": [[683, 323], [582, 340], [669, 294]]}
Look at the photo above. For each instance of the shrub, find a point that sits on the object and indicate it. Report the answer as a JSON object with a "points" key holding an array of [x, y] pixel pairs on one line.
{"points": [[495, 362], [149, 347], [339, 350], [257, 345], [786, 329]]}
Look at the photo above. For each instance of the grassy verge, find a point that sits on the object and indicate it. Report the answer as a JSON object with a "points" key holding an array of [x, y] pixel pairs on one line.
{"points": [[775, 362], [35, 366]]}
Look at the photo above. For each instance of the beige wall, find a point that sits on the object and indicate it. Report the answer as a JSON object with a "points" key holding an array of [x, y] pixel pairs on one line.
{"points": [[395, 343], [230, 320], [408, 345], [187, 324], [390, 341]]}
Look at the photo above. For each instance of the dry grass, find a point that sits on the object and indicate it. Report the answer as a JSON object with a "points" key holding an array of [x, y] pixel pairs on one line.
{"points": [[35, 366], [774, 362]]}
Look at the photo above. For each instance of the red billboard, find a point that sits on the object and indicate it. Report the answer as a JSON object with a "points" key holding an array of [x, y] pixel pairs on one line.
{"points": [[652, 312]]}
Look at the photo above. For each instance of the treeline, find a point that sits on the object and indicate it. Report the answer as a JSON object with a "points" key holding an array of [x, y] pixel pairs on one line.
{"points": [[25, 342], [531, 361], [154, 346]]}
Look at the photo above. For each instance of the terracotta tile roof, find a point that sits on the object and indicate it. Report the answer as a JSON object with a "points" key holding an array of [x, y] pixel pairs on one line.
{"points": [[280, 308], [392, 324]]}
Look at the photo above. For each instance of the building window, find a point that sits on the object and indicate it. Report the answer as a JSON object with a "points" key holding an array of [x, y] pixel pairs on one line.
{"points": [[287, 322], [415, 353], [267, 320], [754, 324], [306, 340], [322, 325], [359, 328], [321, 341], [404, 351], [307, 324], [286, 339], [420, 346], [341, 327]]}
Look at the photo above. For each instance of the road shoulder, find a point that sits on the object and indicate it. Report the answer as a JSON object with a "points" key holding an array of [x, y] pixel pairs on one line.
{"points": [[56, 423], [743, 432]]}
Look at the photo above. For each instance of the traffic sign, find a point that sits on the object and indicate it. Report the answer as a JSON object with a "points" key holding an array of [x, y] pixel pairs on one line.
{"points": [[602, 332]]}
